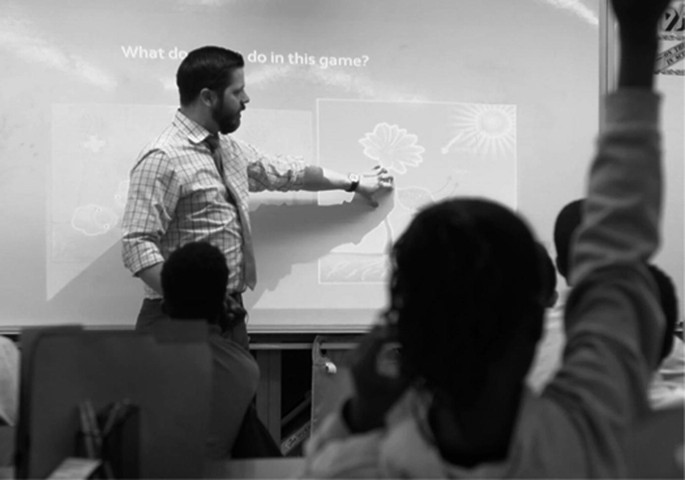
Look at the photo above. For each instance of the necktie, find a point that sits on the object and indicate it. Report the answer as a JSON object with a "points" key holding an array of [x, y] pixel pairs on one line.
{"points": [[249, 264]]}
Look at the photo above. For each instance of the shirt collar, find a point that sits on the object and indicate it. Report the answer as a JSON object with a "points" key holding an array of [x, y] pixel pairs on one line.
{"points": [[195, 132]]}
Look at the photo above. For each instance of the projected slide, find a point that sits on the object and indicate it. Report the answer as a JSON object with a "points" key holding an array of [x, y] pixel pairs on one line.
{"points": [[473, 152], [453, 97]]}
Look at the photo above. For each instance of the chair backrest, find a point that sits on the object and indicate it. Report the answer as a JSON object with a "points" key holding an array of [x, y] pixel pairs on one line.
{"points": [[9, 381], [169, 381], [655, 449], [331, 377]]}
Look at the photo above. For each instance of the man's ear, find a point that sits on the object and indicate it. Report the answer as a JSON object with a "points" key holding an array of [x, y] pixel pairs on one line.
{"points": [[208, 96]]}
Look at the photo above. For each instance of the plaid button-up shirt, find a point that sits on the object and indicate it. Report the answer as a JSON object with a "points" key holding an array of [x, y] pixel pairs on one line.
{"points": [[176, 195]]}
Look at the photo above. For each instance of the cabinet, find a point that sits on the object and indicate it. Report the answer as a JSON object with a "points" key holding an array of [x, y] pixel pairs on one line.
{"points": [[303, 378]]}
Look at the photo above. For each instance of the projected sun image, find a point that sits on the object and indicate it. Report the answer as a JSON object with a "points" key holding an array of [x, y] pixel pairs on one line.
{"points": [[483, 129]]}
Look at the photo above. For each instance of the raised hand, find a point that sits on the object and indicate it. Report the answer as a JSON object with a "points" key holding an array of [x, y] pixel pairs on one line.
{"points": [[641, 15], [377, 380], [638, 21]]}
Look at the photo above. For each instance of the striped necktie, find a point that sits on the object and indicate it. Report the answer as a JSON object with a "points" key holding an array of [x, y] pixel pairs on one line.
{"points": [[249, 264]]}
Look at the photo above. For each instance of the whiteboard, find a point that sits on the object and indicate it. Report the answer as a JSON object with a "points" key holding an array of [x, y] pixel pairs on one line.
{"points": [[492, 98]]}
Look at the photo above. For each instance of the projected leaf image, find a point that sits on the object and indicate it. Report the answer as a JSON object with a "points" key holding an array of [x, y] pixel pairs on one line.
{"points": [[92, 220], [414, 198], [393, 147]]}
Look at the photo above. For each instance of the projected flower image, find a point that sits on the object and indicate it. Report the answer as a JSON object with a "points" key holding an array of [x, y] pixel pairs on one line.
{"points": [[393, 147]]}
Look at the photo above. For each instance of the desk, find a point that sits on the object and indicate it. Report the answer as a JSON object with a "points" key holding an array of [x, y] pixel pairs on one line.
{"points": [[655, 449], [256, 468]]}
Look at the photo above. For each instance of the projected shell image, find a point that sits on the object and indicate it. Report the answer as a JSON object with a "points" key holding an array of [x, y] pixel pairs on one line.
{"points": [[121, 193], [393, 147], [92, 220]]}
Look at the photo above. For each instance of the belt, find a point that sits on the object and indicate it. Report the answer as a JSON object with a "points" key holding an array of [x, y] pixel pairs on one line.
{"points": [[238, 297]]}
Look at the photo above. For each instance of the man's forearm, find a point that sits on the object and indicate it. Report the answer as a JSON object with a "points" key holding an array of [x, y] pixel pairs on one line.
{"points": [[152, 276], [318, 179]]}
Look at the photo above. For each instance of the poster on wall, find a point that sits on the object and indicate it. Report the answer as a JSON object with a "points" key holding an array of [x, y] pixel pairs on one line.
{"points": [[670, 60], [670, 76]]}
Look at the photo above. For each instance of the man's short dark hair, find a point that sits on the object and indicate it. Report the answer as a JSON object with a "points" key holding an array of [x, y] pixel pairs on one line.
{"points": [[465, 284], [206, 67], [194, 280], [567, 222]]}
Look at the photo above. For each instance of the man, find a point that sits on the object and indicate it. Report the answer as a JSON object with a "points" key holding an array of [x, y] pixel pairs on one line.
{"points": [[192, 182], [466, 307]]}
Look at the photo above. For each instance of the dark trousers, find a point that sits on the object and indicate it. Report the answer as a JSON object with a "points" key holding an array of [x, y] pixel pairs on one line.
{"points": [[151, 313]]}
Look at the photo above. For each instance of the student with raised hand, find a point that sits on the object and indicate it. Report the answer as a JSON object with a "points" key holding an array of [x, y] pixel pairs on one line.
{"points": [[667, 386], [466, 314]]}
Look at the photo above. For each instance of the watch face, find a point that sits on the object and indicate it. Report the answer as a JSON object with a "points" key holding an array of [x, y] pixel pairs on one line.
{"points": [[354, 182]]}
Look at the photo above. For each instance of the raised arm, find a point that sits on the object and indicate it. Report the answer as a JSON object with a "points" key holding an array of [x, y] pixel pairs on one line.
{"points": [[613, 319], [624, 191], [614, 322]]}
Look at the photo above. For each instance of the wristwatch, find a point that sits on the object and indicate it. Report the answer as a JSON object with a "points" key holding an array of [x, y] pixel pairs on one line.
{"points": [[354, 182]]}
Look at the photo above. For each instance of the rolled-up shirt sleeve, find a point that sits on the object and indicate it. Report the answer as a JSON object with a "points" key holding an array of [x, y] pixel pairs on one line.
{"points": [[272, 172], [153, 193]]}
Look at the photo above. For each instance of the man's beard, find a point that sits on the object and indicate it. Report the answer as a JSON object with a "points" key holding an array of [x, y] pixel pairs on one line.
{"points": [[227, 123]]}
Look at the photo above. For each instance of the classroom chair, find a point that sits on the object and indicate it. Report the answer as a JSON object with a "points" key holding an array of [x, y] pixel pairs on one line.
{"points": [[655, 449], [165, 380]]}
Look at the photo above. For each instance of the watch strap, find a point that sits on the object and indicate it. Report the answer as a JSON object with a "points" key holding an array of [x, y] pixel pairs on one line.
{"points": [[354, 182]]}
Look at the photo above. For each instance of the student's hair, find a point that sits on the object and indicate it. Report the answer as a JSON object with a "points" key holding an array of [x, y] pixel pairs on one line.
{"points": [[567, 222], [462, 287], [194, 280], [669, 304], [549, 275], [206, 67]]}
